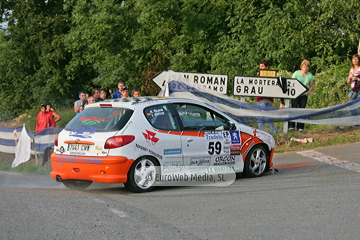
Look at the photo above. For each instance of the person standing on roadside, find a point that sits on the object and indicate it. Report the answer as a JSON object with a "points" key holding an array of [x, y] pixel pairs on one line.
{"points": [[91, 100], [354, 77], [43, 119], [96, 94], [265, 102], [136, 92], [124, 92], [117, 94], [102, 95], [306, 78], [54, 117], [79, 103]]}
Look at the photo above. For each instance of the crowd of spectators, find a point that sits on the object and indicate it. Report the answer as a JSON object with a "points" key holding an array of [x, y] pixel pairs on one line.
{"points": [[98, 95]]}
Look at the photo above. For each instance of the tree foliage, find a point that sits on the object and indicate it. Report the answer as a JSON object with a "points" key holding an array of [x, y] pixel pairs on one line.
{"points": [[55, 48]]}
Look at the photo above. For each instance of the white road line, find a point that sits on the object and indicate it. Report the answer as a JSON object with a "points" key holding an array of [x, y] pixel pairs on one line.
{"points": [[99, 200], [331, 160], [118, 212]]}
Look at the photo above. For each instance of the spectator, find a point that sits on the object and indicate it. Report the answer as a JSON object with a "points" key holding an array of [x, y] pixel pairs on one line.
{"points": [[124, 92], [306, 78], [353, 77], [102, 95], [54, 117], [265, 102], [136, 92], [96, 94], [83, 105], [91, 100], [117, 94], [43, 119], [79, 103]]}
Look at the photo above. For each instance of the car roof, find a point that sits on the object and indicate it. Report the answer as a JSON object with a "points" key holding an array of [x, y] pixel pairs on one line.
{"points": [[133, 101]]}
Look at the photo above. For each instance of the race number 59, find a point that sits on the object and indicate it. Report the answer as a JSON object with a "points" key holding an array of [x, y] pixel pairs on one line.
{"points": [[214, 147]]}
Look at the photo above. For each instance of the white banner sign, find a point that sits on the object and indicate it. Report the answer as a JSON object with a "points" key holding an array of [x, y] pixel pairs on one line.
{"points": [[215, 82], [267, 87]]}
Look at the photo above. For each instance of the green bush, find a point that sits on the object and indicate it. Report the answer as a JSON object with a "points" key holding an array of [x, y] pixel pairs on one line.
{"points": [[330, 88]]}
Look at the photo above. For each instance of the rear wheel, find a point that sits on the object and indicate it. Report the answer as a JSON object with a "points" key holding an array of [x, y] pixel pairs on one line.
{"points": [[77, 184], [256, 162], [142, 174]]}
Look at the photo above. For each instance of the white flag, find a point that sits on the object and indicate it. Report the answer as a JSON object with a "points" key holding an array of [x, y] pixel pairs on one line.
{"points": [[22, 150]]}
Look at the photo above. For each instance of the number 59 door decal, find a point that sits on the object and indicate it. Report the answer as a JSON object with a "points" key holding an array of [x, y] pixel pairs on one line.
{"points": [[214, 148]]}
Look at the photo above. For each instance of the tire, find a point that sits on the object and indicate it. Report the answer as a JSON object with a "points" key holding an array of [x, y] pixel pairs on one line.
{"points": [[142, 175], [77, 184], [257, 162]]}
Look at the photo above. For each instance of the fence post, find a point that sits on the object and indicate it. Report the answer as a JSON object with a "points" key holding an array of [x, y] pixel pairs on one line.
{"points": [[286, 124], [36, 157]]}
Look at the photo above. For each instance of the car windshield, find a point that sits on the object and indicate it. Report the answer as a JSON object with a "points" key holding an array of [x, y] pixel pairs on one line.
{"points": [[100, 119]]}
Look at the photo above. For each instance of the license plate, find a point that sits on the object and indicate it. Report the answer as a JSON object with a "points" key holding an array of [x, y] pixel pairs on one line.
{"points": [[79, 147]]}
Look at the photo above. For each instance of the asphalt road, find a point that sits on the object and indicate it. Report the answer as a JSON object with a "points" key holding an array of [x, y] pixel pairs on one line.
{"points": [[314, 195]]}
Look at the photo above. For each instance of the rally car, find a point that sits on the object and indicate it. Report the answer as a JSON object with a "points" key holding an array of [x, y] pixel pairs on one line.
{"points": [[124, 140]]}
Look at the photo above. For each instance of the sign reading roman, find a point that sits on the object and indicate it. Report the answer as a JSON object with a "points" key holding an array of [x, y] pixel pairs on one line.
{"points": [[267, 87], [215, 82]]}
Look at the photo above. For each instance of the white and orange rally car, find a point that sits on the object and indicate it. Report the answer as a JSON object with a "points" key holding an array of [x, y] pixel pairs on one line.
{"points": [[124, 140]]}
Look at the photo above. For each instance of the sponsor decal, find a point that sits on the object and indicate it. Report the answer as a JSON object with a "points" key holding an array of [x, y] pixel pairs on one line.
{"points": [[126, 127], [200, 162], [78, 153], [149, 151], [155, 154], [254, 132], [172, 151], [213, 136], [83, 132], [226, 136], [224, 160], [248, 149], [98, 148], [115, 113], [157, 112], [235, 137], [92, 120], [226, 149], [61, 150], [235, 149], [87, 160], [150, 137]]}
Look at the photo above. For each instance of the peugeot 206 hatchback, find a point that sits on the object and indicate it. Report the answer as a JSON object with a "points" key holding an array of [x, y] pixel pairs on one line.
{"points": [[125, 140]]}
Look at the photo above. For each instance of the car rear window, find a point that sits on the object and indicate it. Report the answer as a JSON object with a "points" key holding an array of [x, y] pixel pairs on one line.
{"points": [[100, 119]]}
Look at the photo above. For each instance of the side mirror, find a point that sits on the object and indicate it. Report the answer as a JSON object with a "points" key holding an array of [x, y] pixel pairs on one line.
{"points": [[231, 126]]}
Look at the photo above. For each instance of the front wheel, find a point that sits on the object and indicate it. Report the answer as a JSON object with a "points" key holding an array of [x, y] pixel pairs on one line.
{"points": [[142, 174], [77, 184], [256, 162]]}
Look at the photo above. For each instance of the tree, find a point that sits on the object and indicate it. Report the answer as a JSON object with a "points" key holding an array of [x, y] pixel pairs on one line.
{"points": [[36, 56], [56, 48]]}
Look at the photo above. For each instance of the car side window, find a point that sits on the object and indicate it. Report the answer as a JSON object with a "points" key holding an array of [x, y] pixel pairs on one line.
{"points": [[160, 117], [198, 118]]}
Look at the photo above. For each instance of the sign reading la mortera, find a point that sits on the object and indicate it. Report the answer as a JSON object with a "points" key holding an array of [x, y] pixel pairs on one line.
{"points": [[267, 87]]}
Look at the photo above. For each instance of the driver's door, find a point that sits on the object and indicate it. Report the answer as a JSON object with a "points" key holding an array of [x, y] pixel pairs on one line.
{"points": [[206, 139]]}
